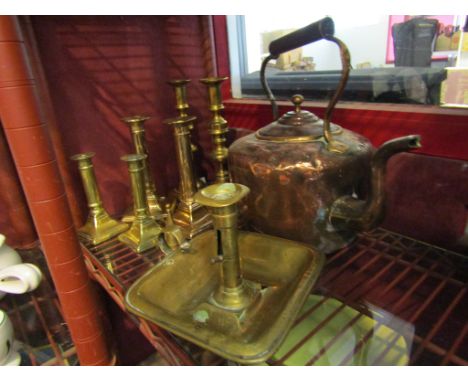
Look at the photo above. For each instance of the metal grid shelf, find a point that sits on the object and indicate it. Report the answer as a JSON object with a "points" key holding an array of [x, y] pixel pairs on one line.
{"points": [[116, 267], [421, 286], [40, 330]]}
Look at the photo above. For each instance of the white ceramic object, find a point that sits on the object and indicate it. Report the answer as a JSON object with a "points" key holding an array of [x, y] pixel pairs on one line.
{"points": [[8, 356], [8, 256], [20, 278]]}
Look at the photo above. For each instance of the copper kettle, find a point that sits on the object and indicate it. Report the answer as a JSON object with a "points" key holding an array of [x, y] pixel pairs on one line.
{"points": [[312, 180]]}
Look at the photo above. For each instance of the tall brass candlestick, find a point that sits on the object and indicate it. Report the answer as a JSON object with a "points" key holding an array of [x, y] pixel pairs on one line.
{"points": [[182, 106], [99, 226], [144, 232], [218, 127], [139, 142], [191, 216]]}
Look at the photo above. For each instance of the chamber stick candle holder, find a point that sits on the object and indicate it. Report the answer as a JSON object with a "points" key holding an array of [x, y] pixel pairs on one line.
{"points": [[234, 293], [136, 124], [99, 226], [190, 215], [218, 127], [144, 231]]}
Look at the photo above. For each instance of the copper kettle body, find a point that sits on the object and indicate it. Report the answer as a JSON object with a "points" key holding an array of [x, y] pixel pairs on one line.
{"points": [[311, 180]]}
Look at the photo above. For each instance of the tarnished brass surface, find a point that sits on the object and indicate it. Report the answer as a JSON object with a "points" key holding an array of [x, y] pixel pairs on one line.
{"points": [[234, 293], [180, 90], [182, 106], [144, 231], [174, 236], [191, 216], [99, 226], [136, 124], [218, 127], [177, 295]]}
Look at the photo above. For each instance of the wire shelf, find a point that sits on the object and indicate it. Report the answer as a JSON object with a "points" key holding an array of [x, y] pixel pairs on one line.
{"points": [[41, 334], [116, 267], [421, 288], [416, 290]]}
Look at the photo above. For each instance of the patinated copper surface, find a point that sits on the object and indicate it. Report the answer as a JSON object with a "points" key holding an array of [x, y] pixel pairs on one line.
{"points": [[294, 184], [310, 179]]}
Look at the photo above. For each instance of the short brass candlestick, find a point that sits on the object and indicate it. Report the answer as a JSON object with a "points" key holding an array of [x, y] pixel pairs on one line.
{"points": [[182, 106], [136, 124], [144, 232], [234, 292], [99, 226], [191, 216], [218, 127]]}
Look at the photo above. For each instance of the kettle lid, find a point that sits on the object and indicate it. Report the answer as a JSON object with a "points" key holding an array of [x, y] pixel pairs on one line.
{"points": [[295, 126]]}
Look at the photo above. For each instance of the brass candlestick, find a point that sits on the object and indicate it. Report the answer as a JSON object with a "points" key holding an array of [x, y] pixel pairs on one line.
{"points": [[234, 292], [218, 127], [136, 124], [99, 226], [144, 232], [182, 106], [191, 216]]}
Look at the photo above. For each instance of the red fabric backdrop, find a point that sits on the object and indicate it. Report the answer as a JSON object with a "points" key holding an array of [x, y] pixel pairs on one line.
{"points": [[100, 69]]}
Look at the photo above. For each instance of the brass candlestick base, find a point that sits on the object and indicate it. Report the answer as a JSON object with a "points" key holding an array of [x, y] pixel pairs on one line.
{"points": [[144, 232], [190, 215], [136, 124], [142, 235], [234, 293], [99, 226]]}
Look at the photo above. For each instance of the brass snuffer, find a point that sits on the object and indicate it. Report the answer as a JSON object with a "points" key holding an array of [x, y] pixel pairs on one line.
{"points": [[136, 124], [235, 293], [191, 216], [312, 180], [99, 226], [218, 127], [145, 231]]}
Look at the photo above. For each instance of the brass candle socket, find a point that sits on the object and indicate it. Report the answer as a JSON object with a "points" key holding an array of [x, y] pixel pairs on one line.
{"points": [[99, 226], [218, 127], [190, 215], [144, 231], [234, 293], [136, 124]]}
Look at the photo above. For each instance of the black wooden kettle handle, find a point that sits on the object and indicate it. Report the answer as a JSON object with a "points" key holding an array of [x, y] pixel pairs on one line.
{"points": [[311, 33]]}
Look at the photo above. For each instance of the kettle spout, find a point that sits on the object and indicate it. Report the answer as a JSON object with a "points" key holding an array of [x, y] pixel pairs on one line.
{"points": [[350, 213]]}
